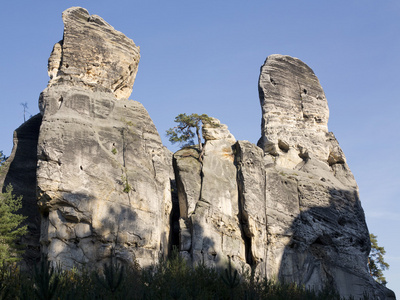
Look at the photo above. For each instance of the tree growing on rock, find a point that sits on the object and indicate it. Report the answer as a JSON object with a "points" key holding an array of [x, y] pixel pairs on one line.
{"points": [[189, 127], [376, 262]]}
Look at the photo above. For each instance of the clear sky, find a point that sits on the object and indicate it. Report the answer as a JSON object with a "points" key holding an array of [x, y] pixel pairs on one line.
{"points": [[205, 56]]}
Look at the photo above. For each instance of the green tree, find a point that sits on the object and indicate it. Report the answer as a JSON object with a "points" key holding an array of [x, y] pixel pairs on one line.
{"points": [[2, 158], [376, 263], [189, 127], [10, 226], [10, 222]]}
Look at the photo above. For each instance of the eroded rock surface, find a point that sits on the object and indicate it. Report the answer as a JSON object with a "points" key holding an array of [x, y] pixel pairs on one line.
{"points": [[290, 208], [317, 233], [94, 55], [103, 177], [210, 230]]}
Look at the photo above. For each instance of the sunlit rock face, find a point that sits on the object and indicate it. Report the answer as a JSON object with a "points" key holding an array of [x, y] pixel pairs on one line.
{"points": [[94, 55], [103, 175], [294, 110], [288, 208], [210, 230], [317, 234]]}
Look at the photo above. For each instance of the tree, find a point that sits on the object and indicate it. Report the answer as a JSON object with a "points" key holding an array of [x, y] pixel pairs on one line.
{"points": [[183, 133], [10, 222], [2, 158], [376, 263], [10, 226]]}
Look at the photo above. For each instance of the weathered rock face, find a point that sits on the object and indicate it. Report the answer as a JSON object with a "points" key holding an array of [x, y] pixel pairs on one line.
{"points": [[288, 208], [315, 223], [94, 55], [208, 196], [291, 211], [294, 111], [103, 177]]}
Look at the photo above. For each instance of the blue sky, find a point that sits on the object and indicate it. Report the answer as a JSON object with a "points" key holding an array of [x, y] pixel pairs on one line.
{"points": [[205, 56]]}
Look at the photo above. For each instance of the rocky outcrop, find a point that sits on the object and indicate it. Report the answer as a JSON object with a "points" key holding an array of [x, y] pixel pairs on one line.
{"points": [[290, 208], [92, 163], [316, 227], [94, 55], [103, 176], [208, 199]]}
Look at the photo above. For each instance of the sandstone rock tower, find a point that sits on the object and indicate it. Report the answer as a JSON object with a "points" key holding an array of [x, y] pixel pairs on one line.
{"points": [[103, 177], [96, 179], [288, 208]]}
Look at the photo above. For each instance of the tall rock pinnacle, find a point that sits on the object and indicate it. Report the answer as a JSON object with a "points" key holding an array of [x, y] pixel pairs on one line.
{"points": [[294, 109], [93, 54], [103, 175], [93, 163]]}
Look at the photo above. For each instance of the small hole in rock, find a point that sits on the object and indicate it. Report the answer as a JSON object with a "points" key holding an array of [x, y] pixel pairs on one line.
{"points": [[80, 167], [304, 91]]}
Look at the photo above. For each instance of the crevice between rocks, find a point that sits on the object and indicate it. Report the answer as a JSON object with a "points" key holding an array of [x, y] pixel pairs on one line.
{"points": [[243, 215]]}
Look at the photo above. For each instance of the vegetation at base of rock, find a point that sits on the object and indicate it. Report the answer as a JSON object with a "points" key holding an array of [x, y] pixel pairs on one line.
{"points": [[171, 279], [2, 158], [10, 226], [376, 262]]}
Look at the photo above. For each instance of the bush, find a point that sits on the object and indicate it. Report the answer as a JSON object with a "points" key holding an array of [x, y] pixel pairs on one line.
{"points": [[171, 279]]}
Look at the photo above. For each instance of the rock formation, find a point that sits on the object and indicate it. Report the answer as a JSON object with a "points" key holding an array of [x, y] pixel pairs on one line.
{"points": [[103, 177], [289, 208], [315, 223], [94, 166]]}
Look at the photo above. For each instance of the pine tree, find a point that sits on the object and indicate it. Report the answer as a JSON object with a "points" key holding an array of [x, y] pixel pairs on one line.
{"points": [[183, 133], [10, 222], [2, 158], [10, 226], [376, 263]]}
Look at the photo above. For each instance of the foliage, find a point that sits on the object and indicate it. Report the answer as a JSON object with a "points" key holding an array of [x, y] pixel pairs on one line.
{"points": [[231, 278], [376, 262], [170, 279], [2, 158], [46, 280], [189, 127], [10, 226], [127, 186], [112, 278]]}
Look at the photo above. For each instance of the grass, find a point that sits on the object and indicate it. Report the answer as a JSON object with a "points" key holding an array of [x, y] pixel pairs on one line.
{"points": [[171, 279]]}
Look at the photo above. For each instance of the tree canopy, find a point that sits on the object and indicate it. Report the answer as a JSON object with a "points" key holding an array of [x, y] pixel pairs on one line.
{"points": [[376, 262], [189, 127]]}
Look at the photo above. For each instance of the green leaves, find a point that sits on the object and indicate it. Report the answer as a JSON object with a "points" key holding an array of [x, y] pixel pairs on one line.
{"points": [[188, 127], [376, 262], [10, 228]]}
